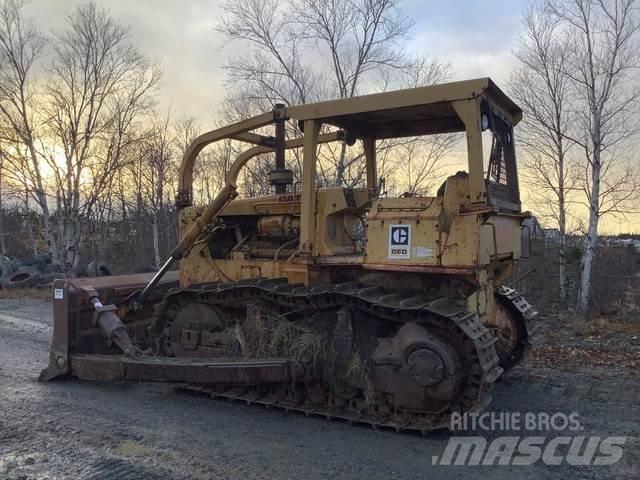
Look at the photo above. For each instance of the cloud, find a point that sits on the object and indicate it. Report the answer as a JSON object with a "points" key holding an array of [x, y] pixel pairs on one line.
{"points": [[180, 34], [476, 36]]}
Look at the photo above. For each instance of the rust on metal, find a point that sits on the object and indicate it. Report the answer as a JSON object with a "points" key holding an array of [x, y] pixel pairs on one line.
{"points": [[389, 267]]}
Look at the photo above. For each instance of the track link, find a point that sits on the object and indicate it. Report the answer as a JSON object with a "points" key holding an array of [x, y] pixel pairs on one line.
{"points": [[481, 360]]}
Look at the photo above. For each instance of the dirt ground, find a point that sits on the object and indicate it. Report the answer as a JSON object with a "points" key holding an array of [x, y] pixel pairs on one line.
{"points": [[70, 429]]}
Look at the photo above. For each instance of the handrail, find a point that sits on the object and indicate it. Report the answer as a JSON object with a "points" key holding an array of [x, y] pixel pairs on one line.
{"points": [[228, 193]]}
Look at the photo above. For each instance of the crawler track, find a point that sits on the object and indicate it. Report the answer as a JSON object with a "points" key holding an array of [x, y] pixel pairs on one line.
{"points": [[476, 344], [521, 312]]}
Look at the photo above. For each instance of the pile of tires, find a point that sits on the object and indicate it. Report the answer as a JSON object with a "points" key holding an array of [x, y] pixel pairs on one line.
{"points": [[40, 271], [33, 272]]}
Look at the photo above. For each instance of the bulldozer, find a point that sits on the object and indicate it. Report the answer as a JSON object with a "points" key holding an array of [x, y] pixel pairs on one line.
{"points": [[335, 301]]}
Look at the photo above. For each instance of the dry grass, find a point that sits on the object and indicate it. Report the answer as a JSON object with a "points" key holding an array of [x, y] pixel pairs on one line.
{"points": [[273, 336], [307, 341], [571, 358], [357, 368], [312, 347], [617, 324], [358, 373], [42, 293], [612, 325], [628, 307], [566, 341]]}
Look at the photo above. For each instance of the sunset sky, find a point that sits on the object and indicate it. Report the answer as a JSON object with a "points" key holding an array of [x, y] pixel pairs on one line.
{"points": [[476, 39], [475, 36]]}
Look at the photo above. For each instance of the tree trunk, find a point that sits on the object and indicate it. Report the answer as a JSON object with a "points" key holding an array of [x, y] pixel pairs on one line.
{"points": [[68, 242], [562, 225], [28, 224], [586, 264], [46, 226], [76, 253], [40, 193], [562, 258], [156, 241], [3, 244], [591, 238], [72, 236]]}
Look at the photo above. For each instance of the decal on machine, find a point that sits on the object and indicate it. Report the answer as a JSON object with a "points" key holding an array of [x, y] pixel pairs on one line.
{"points": [[424, 252], [399, 241]]}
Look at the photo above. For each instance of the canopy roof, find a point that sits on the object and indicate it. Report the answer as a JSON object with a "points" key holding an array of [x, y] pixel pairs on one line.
{"points": [[416, 111]]}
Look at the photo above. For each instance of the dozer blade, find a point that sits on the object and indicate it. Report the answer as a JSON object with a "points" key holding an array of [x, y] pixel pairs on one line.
{"points": [[116, 368], [75, 326], [93, 342]]}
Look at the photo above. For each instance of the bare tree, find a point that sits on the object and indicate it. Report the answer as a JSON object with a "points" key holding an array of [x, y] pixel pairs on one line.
{"points": [[213, 163], [303, 51], [602, 63], [541, 86], [21, 46], [421, 71], [185, 130], [360, 36], [156, 170], [274, 68], [100, 85], [419, 164], [416, 165]]}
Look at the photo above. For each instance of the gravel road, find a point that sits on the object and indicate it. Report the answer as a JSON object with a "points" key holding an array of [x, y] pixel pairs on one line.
{"points": [[71, 429]]}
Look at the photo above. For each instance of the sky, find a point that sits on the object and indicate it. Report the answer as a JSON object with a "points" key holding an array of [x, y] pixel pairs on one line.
{"points": [[476, 36]]}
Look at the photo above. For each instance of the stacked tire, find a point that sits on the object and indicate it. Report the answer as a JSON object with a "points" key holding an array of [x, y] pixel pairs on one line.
{"points": [[23, 277], [98, 269], [41, 271], [14, 274], [33, 272]]}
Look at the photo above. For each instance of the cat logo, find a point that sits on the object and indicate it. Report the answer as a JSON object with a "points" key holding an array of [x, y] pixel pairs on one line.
{"points": [[399, 241]]}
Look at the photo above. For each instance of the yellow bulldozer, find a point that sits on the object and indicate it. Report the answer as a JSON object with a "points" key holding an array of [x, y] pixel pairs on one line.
{"points": [[341, 302]]}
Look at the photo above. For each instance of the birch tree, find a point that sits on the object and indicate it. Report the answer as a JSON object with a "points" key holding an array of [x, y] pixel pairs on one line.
{"points": [[21, 46], [541, 86], [100, 86], [602, 64]]}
